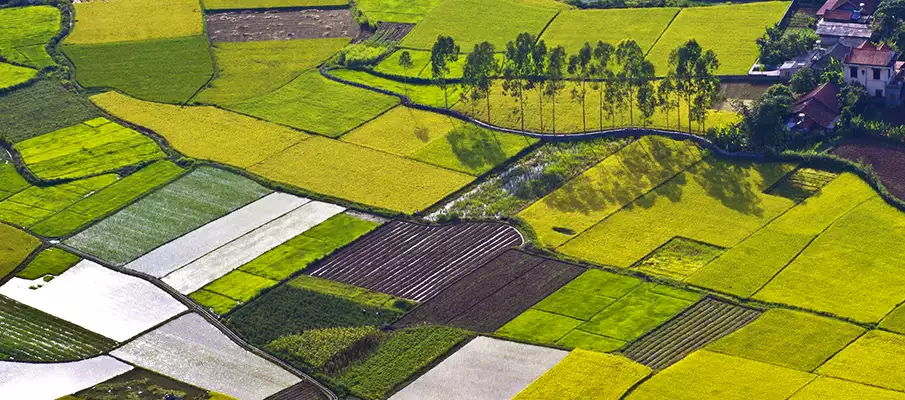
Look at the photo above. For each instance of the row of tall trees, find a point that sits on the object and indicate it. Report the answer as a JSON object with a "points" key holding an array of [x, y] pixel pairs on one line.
{"points": [[620, 75]]}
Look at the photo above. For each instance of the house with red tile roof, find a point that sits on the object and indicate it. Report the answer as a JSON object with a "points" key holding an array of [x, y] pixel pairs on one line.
{"points": [[876, 67], [818, 110], [847, 10]]}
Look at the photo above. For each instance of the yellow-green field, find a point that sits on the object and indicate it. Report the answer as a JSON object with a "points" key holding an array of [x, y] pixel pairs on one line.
{"points": [[24, 31], [13, 74], [585, 375], [571, 29], [824, 388], [874, 359], [244, 4], [14, 247], [133, 20]]}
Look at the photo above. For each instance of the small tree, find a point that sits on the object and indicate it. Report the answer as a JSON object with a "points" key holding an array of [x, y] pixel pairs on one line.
{"points": [[804, 80], [764, 121], [405, 61], [538, 74], [833, 73], [666, 96], [480, 67], [579, 68], [636, 71], [444, 51], [603, 71], [888, 23], [694, 71], [516, 68], [706, 86], [556, 62]]}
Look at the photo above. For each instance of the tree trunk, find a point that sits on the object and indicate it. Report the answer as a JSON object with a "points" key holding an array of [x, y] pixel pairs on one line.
{"points": [[540, 91], [584, 119], [488, 106], [600, 104], [521, 102], [554, 110], [631, 106]]}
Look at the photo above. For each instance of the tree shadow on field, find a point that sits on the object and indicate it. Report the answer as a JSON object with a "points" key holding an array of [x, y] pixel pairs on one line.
{"points": [[422, 132], [476, 148], [730, 183]]}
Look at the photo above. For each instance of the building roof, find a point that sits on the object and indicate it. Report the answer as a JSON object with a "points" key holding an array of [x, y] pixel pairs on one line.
{"points": [[827, 9], [820, 105], [870, 54], [843, 29]]}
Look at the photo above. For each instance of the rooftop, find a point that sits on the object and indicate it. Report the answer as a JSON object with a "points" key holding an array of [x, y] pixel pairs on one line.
{"points": [[820, 105], [843, 29], [870, 54]]}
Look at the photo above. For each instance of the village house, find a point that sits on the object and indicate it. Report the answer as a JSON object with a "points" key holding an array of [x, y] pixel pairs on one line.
{"points": [[816, 111], [876, 68], [845, 21]]}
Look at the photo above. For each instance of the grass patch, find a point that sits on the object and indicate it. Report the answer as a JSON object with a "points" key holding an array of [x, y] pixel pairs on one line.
{"points": [[727, 378], [874, 359], [851, 269], [94, 147], [678, 258], [396, 10], [719, 202], [24, 33], [30, 335], [638, 312], [216, 302], [239, 286], [789, 339], [244, 4], [13, 74], [108, 199], [178, 208], [299, 306], [163, 70], [572, 28], [33, 205], [132, 20], [249, 69], [328, 349], [299, 252], [802, 183], [584, 375], [430, 95], [728, 30], [600, 191], [472, 21], [312, 102], [52, 261], [207, 133], [15, 245], [40, 108], [405, 353], [748, 266], [362, 175]]}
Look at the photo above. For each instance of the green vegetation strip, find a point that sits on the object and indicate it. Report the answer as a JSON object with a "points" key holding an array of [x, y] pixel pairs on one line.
{"points": [[35, 204], [41, 108], [48, 264]]}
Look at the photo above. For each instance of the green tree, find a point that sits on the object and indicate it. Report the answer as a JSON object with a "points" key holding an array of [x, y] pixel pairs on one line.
{"points": [[537, 76], [636, 72], [888, 24], [405, 61], [833, 73], [556, 63], [480, 67], [516, 69], [579, 68], [764, 121], [667, 100], [706, 87], [444, 51], [775, 46], [694, 71], [603, 71], [804, 80]]}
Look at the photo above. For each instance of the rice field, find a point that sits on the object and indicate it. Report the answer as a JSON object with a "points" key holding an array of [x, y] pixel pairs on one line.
{"points": [[427, 94], [396, 11], [93, 147], [111, 304], [586, 374], [11, 75], [133, 20], [572, 28], [56, 380], [41, 108], [14, 247], [25, 32], [35, 203], [201, 196], [245, 4], [49, 263]]}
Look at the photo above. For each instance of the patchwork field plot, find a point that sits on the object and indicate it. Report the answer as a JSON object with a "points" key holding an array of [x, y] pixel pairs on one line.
{"points": [[722, 202], [572, 28], [418, 261], [40, 108], [53, 381], [885, 158], [25, 32], [251, 25], [752, 263], [249, 69], [802, 184], [328, 349], [705, 322], [108, 199], [603, 189], [306, 303], [790, 339], [12, 182], [599, 311], [11, 75], [49, 263], [727, 378], [15, 245], [831, 388], [678, 258], [138, 382], [204, 132], [495, 293], [420, 68], [200, 197], [427, 94], [112, 304], [472, 21], [396, 11], [710, 26], [873, 360], [312, 102], [484, 368], [92, 147], [133, 20], [247, 4], [193, 351], [196, 244], [33, 336], [164, 70], [220, 262], [34, 204], [437, 139], [586, 374]]}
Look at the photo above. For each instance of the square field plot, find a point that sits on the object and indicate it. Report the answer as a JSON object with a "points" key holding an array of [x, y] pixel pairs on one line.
{"points": [[830, 388], [132, 20], [728, 30], [115, 305], [54, 381], [396, 11], [874, 359], [41, 108], [186, 204], [586, 375], [418, 261], [92, 147], [247, 4], [15, 245], [485, 368], [191, 350], [572, 28]]}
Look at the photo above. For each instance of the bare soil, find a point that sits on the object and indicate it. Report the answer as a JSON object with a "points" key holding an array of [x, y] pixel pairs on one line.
{"points": [[887, 159], [246, 26]]}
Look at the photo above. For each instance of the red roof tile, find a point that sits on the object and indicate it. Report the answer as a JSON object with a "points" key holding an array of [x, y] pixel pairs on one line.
{"points": [[850, 5], [820, 105], [870, 54]]}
